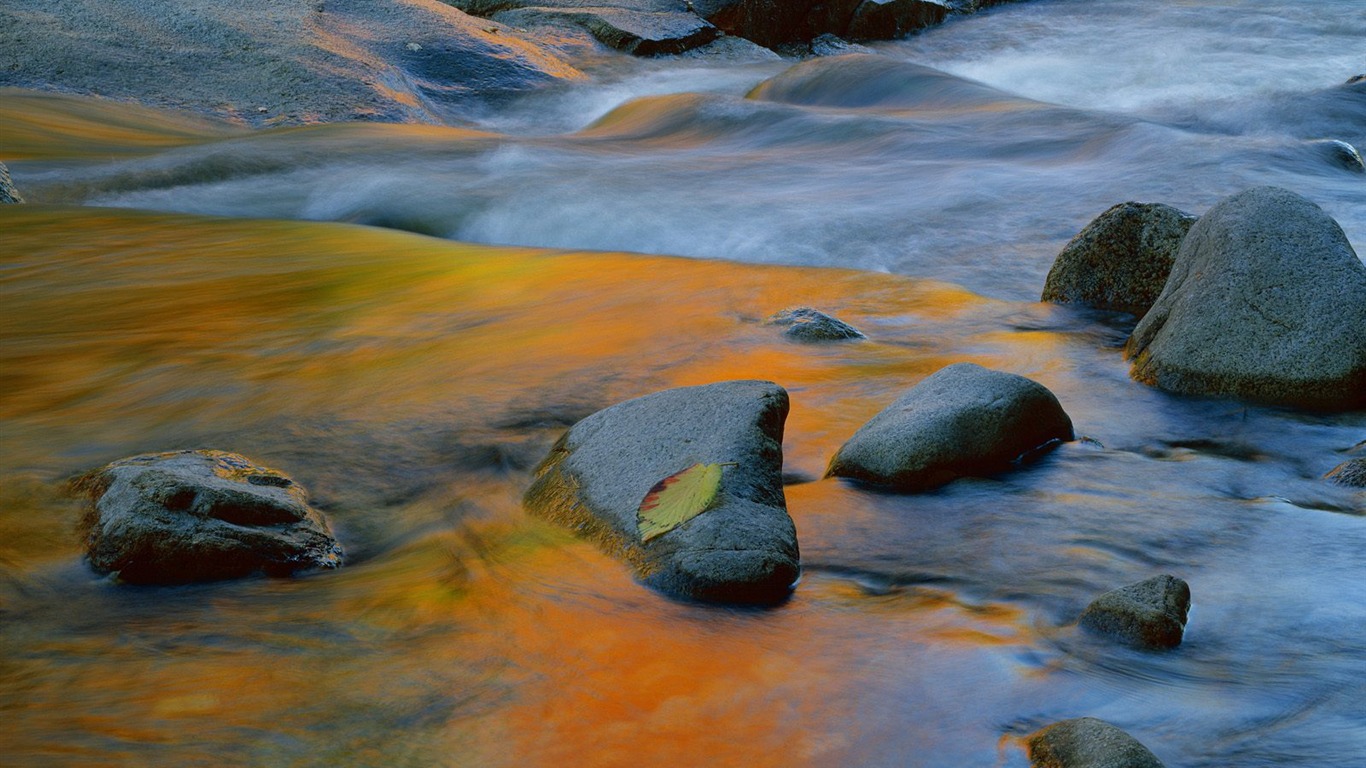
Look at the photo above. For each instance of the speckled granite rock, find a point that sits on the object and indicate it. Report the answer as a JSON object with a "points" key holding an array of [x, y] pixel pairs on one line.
{"points": [[1150, 614], [1088, 743]]}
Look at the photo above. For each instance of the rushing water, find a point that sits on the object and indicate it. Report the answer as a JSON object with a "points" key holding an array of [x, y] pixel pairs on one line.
{"points": [[411, 383]]}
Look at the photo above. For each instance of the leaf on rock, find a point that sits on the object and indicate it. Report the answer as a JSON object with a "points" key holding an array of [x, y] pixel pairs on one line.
{"points": [[677, 499]]}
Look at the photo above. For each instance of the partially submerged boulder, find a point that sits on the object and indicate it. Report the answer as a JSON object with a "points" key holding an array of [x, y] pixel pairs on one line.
{"points": [[643, 33], [807, 324], [1150, 615], [1340, 154], [1350, 473], [891, 19], [1121, 260], [189, 516], [962, 421], [8, 194], [1087, 743], [1266, 301], [742, 549]]}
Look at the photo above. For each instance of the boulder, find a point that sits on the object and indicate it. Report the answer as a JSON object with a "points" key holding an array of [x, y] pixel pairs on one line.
{"points": [[891, 19], [1350, 473], [1266, 301], [807, 324], [1087, 743], [189, 516], [962, 421], [743, 549], [643, 33], [1119, 261], [1150, 615], [773, 23], [8, 194]]}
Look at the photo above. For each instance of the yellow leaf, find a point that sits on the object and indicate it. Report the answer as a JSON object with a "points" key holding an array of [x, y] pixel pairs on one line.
{"points": [[677, 499]]}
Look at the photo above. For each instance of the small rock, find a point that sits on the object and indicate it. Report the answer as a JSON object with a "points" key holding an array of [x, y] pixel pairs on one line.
{"points": [[743, 549], [1341, 154], [189, 516], [1087, 743], [1119, 261], [8, 194], [1350, 473], [807, 324], [833, 45], [1150, 614], [963, 421], [1266, 301]]}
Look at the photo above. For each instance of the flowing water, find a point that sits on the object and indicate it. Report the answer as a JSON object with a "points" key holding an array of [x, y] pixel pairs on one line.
{"points": [[177, 283]]}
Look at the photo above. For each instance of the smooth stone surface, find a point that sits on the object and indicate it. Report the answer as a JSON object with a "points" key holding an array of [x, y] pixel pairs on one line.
{"points": [[8, 194], [772, 23], [810, 325], [1087, 743], [1267, 302], [1150, 614], [268, 62], [1121, 260], [642, 33], [743, 549], [962, 421], [190, 516], [1350, 473]]}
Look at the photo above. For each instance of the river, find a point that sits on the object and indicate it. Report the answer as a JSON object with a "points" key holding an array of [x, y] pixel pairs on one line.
{"points": [[179, 283]]}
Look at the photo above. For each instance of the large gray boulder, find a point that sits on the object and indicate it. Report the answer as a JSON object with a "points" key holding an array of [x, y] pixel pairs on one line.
{"points": [[1087, 743], [1150, 615], [189, 516], [8, 194], [1266, 301], [743, 549], [1121, 260], [962, 421]]}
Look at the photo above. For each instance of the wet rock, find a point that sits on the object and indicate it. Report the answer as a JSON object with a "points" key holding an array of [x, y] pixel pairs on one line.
{"points": [[1266, 301], [1121, 260], [773, 23], [8, 194], [891, 19], [807, 324], [1350, 473], [963, 421], [1150, 615], [1087, 743], [189, 516], [643, 33], [743, 549], [1340, 153], [827, 45]]}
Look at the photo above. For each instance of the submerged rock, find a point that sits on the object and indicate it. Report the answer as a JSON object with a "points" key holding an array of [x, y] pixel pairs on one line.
{"points": [[963, 421], [1341, 154], [743, 549], [807, 324], [1266, 301], [1121, 260], [1150, 614], [8, 194], [1350, 473], [188, 516], [1087, 743]]}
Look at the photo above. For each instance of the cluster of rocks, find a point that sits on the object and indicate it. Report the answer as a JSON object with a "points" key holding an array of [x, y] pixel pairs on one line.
{"points": [[1262, 298]]}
